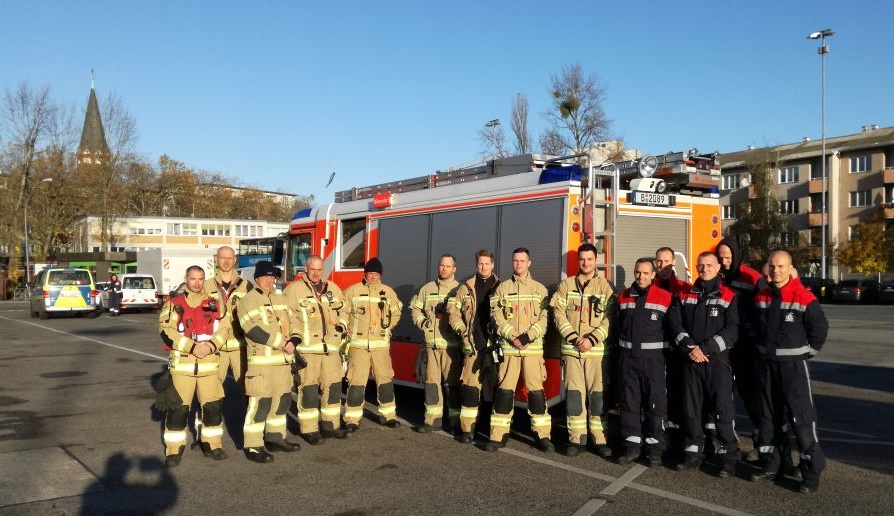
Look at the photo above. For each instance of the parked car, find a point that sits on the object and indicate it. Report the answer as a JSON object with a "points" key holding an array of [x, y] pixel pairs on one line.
{"points": [[821, 287], [856, 291], [138, 292], [886, 292], [63, 290]]}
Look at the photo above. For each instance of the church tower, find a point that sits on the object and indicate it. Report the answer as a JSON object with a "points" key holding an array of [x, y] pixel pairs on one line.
{"points": [[93, 149]]}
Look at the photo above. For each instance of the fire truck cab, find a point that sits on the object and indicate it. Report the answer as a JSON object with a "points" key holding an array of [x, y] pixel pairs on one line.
{"points": [[547, 204]]}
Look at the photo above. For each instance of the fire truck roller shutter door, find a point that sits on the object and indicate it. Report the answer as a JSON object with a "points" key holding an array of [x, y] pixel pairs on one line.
{"points": [[639, 236], [538, 226], [450, 234], [403, 249]]}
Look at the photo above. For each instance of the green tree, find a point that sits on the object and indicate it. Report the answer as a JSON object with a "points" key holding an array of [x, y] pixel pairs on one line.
{"points": [[870, 249], [760, 227]]}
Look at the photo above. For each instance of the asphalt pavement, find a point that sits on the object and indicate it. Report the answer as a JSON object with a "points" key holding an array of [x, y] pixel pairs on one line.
{"points": [[78, 436]]}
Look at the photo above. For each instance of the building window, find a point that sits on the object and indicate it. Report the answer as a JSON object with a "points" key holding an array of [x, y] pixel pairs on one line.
{"points": [[788, 239], [729, 212], [860, 199], [215, 230], [789, 207], [175, 229], [788, 175], [730, 182], [860, 164], [851, 231], [190, 230]]}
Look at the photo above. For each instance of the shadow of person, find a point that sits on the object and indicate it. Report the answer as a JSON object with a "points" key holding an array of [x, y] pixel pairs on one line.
{"points": [[154, 492]]}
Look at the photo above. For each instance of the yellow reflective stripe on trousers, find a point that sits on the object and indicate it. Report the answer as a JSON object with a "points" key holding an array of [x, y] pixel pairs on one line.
{"points": [[331, 411], [351, 412], [175, 436], [212, 431], [468, 412], [385, 411], [541, 420], [433, 410], [500, 421], [308, 414]]}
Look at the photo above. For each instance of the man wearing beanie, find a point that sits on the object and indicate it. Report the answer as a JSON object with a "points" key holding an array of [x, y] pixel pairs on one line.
{"points": [[373, 309], [271, 336]]}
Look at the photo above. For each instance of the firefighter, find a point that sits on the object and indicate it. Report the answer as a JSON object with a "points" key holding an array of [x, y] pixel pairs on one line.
{"points": [[441, 357], [190, 329], [791, 329], [373, 310], [708, 329], [743, 280], [319, 306], [270, 337], [114, 289], [645, 311], [519, 309], [666, 278], [230, 288], [581, 307], [470, 318]]}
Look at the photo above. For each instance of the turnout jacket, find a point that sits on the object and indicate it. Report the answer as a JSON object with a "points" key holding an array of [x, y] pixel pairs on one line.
{"points": [[581, 309], [373, 311], [791, 322], [321, 316], [429, 311], [465, 319], [186, 320], [233, 337], [518, 306], [644, 318], [268, 324], [709, 318], [674, 285]]}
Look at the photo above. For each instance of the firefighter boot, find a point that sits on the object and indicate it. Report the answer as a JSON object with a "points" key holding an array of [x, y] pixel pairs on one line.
{"points": [[259, 455], [692, 461], [173, 460]]}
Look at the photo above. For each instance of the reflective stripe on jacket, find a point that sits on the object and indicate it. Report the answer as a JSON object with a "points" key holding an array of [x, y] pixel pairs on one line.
{"points": [[581, 309], [519, 309], [373, 310], [317, 315], [429, 310]]}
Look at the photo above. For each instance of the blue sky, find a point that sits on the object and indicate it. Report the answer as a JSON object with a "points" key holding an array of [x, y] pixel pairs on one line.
{"points": [[280, 94]]}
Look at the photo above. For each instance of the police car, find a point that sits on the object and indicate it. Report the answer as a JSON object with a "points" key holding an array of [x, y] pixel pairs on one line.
{"points": [[63, 290]]}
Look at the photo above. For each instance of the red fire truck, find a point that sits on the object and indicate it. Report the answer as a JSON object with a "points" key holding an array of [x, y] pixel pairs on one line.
{"points": [[549, 205]]}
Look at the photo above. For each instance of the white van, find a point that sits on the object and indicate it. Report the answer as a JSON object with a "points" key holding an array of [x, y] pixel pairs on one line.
{"points": [[138, 292]]}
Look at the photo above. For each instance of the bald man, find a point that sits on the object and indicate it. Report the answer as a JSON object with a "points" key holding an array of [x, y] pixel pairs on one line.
{"points": [[791, 329]]}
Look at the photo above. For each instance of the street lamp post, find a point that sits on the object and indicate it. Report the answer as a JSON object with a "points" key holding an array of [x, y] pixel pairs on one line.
{"points": [[822, 51], [493, 133], [27, 249]]}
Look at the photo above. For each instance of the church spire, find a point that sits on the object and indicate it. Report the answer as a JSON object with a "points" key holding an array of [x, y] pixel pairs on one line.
{"points": [[93, 148]]}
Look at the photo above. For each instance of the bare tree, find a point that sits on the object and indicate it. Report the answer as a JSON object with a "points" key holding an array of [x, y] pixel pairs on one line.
{"points": [[520, 124], [577, 119]]}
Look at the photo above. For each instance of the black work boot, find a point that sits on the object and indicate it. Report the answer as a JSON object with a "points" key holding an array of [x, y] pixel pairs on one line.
{"points": [[259, 455], [337, 433], [313, 438], [282, 446], [691, 461], [809, 485], [424, 428]]}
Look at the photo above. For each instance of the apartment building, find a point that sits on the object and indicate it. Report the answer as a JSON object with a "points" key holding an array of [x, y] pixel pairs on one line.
{"points": [[860, 181]]}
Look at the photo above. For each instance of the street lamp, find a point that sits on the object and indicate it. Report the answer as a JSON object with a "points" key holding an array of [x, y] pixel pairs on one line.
{"points": [[27, 250], [822, 51], [493, 133]]}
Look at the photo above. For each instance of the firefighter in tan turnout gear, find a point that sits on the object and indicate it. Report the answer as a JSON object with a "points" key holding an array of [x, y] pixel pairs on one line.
{"points": [[581, 307], [320, 309], [270, 337], [470, 318], [230, 288], [373, 310], [189, 326], [519, 308], [441, 358]]}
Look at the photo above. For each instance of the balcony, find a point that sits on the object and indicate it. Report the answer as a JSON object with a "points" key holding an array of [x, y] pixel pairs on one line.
{"points": [[889, 211], [888, 175], [816, 185], [817, 219]]}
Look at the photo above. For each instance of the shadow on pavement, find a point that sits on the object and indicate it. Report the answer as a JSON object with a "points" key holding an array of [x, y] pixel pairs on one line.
{"points": [[112, 493]]}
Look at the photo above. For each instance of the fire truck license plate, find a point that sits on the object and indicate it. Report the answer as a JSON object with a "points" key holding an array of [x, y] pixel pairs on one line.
{"points": [[652, 199]]}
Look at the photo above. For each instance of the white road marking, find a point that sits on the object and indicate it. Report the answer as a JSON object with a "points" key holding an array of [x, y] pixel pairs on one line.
{"points": [[590, 508], [624, 480], [855, 434], [88, 339], [856, 441]]}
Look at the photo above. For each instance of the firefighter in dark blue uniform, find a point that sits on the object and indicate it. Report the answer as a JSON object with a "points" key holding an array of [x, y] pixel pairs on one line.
{"points": [[710, 327], [791, 329]]}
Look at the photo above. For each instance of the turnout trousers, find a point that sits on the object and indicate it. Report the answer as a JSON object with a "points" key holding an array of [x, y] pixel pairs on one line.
{"points": [[534, 370], [788, 400], [269, 391], [643, 401], [318, 396], [210, 392], [709, 387], [472, 382], [584, 399], [360, 362], [234, 359], [444, 371]]}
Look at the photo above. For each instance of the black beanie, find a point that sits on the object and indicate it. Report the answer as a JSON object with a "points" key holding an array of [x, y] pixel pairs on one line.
{"points": [[373, 265]]}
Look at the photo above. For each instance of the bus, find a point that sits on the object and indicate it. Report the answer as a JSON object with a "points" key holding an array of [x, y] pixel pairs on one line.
{"points": [[253, 250]]}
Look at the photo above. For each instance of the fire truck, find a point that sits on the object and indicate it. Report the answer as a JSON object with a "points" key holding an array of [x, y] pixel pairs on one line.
{"points": [[547, 204]]}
